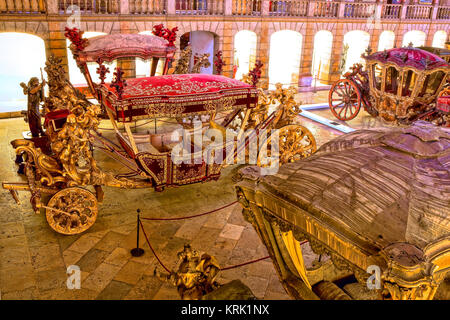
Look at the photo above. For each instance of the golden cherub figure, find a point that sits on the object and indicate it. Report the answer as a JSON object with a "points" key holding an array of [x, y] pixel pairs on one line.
{"points": [[195, 276], [35, 93]]}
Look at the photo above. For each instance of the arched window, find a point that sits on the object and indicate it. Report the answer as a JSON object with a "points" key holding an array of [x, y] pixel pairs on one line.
{"points": [[417, 38], [244, 52], [357, 42], [284, 58], [386, 40], [143, 67], [439, 39], [323, 42], [22, 57]]}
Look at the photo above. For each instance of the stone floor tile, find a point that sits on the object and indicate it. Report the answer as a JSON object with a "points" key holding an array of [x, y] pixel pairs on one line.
{"points": [[100, 278], [71, 257], [46, 257], [257, 285], [115, 290], [167, 292], [12, 229], [51, 278], [275, 284], [84, 243], [92, 259], [31, 293], [118, 257], [17, 279], [232, 231], [131, 272], [145, 289], [276, 296], [110, 241]]}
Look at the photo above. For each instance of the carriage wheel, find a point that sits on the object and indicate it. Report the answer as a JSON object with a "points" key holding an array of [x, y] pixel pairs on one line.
{"points": [[295, 142], [71, 210], [344, 100]]}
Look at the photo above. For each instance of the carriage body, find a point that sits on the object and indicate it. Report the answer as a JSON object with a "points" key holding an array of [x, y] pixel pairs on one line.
{"points": [[400, 85], [192, 102]]}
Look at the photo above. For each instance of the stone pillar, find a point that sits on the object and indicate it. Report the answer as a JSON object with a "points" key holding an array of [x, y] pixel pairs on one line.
{"points": [[171, 7], [403, 12], [228, 7], [265, 4], [227, 49], [124, 7], [52, 6], [304, 74], [336, 53], [435, 11], [127, 65], [263, 52], [56, 43]]}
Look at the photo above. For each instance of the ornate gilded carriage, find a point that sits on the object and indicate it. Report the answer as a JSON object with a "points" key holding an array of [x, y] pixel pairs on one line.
{"points": [[399, 85], [191, 102], [375, 202]]}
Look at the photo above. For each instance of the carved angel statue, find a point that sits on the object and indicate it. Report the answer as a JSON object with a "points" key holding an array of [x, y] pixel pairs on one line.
{"points": [[202, 62], [195, 276], [35, 92], [182, 66]]}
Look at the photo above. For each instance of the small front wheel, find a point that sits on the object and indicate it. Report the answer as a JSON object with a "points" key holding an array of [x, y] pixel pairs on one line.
{"points": [[294, 142], [72, 210], [344, 100]]}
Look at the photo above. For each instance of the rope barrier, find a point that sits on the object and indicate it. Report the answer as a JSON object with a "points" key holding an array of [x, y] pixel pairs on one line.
{"points": [[189, 217], [151, 248]]}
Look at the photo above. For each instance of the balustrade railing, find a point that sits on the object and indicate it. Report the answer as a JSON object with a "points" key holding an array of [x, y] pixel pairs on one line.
{"points": [[247, 7], [89, 6], [23, 6], [153, 7], [289, 8], [417, 12], [325, 9], [358, 10], [391, 11], [199, 7], [443, 13]]}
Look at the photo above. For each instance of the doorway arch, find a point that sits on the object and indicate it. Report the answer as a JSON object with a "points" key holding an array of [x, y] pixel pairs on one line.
{"points": [[357, 42], [284, 58], [244, 52], [416, 37], [323, 42], [23, 60]]}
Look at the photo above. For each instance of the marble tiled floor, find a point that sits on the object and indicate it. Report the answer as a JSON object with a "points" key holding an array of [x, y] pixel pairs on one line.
{"points": [[33, 258]]}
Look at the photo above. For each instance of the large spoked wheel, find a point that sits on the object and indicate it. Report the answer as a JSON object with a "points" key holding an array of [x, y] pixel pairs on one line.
{"points": [[295, 142], [344, 100], [72, 211]]}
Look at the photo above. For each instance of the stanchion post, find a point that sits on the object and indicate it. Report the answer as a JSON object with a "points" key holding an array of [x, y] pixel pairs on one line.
{"points": [[137, 252]]}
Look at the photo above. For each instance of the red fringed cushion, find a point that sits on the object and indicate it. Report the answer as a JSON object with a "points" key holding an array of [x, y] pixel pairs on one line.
{"points": [[56, 115], [175, 95]]}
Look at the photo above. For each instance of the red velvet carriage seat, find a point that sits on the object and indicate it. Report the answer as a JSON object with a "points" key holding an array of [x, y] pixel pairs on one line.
{"points": [[177, 96]]}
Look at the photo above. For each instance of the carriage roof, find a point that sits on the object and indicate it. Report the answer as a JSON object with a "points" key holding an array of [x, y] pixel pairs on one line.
{"points": [[114, 46], [409, 57], [387, 185]]}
